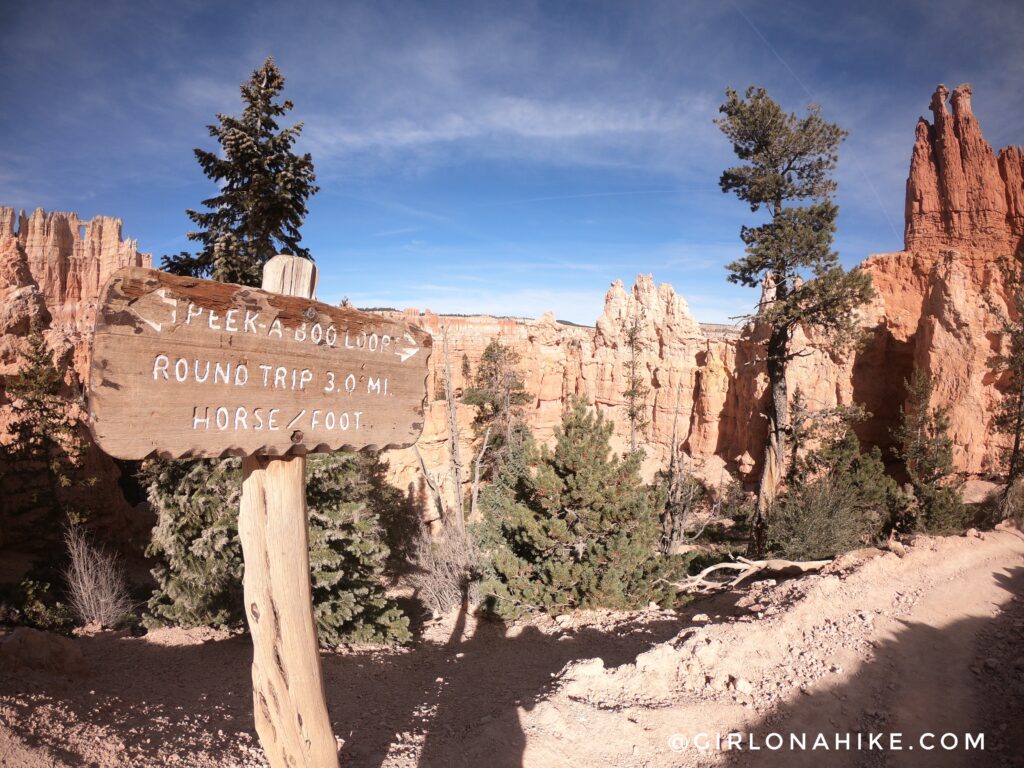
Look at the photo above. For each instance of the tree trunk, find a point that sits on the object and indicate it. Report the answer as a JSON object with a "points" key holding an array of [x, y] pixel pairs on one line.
{"points": [[1018, 428], [774, 465], [453, 428], [474, 500]]}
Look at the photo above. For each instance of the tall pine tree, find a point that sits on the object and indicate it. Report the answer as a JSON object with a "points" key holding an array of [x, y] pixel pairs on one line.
{"points": [[787, 162], [263, 185]]}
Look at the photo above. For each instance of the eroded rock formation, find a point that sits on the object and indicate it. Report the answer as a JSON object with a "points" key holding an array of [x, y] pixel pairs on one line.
{"points": [[52, 266], [964, 211]]}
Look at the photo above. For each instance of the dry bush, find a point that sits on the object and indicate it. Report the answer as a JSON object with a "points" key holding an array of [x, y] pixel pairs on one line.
{"points": [[97, 587], [447, 570]]}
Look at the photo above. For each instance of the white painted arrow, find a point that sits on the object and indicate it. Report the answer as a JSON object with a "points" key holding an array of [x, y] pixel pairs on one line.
{"points": [[162, 293], [404, 353]]}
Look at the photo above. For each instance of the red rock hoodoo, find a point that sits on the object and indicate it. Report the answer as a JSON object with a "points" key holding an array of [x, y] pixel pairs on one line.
{"points": [[964, 211]]}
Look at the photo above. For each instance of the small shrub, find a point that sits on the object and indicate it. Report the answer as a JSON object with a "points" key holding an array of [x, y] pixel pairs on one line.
{"points": [[33, 603], [926, 448], [447, 570], [199, 555], [839, 500], [575, 528], [1013, 504], [96, 583]]}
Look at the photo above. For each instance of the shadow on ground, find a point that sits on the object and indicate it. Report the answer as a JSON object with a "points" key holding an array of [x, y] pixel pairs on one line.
{"points": [[433, 699], [924, 680]]}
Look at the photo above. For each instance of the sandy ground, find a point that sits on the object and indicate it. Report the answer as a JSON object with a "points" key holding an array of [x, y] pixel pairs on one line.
{"points": [[930, 642]]}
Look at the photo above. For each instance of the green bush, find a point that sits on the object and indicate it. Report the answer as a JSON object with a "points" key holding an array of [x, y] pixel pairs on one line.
{"points": [[838, 500], [196, 545], [574, 527], [926, 448], [34, 603]]}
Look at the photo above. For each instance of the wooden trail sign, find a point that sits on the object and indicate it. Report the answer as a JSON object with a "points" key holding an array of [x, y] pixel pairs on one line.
{"points": [[183, 367], [187, 368]]}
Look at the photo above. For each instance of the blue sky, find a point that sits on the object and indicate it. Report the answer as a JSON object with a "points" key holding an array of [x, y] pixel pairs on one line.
{"points": [[498, 157]]}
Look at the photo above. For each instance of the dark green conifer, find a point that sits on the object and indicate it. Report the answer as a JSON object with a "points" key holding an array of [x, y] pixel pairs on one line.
{"points": [[263, 189], [576, 526]]}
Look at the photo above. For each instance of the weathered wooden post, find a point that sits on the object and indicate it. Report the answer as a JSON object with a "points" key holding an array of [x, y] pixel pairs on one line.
{"points": [[187, 368], [289, 704]]}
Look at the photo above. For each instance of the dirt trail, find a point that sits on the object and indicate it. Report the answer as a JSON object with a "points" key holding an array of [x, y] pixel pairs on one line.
{"points": [[930, 642]]}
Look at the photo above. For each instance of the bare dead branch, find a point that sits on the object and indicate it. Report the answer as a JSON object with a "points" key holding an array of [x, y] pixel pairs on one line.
{"points": [[746, 569]]}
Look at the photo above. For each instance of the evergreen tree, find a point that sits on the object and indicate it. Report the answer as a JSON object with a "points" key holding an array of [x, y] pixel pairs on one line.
{"points": [[199, 575], [1009, 364], [347, 553], [498, 394], [574, 527], [195, 541], [263, 189], [786, 168], [636, 390], [838, 499], [926, 448], [47, 449]]}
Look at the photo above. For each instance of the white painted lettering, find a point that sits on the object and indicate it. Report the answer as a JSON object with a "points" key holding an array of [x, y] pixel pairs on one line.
{"points": [[230, 321], [222, 373], [160, 365], [212, 319], [271, 424], [281, 378], [240, 418], [193, 311], [181, 369], [276, 327], [249, 324], [242, 375], [305, 376], [196, 420], [266, 374], [223, 418], [206, 371]]}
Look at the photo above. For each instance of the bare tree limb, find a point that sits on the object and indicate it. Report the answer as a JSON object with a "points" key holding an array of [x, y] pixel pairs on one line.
{"points": [[746, 569], [432, 485], [475, 495]]}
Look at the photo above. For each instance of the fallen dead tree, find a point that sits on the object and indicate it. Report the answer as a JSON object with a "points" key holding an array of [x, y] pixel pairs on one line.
{"points": [[746, 569]]}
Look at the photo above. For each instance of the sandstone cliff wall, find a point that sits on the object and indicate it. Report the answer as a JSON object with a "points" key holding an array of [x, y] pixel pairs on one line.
{"points": [[964, 211], [52, 266]]}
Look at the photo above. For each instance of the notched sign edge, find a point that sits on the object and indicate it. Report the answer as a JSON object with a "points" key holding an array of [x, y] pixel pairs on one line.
{"points": [[132, 283]]}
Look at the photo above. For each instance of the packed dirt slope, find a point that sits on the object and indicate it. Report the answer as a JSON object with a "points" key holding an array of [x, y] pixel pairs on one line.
{"points": [[927, 642]]}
